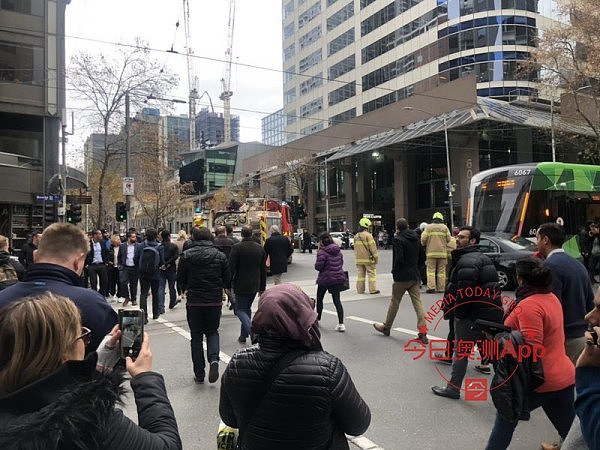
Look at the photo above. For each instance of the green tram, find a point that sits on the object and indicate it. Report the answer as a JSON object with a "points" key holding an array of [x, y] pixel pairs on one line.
{"points": [[515, 200]]}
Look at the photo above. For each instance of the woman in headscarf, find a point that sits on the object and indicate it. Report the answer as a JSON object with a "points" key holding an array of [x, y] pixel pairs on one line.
{"points": [[286, 391]]}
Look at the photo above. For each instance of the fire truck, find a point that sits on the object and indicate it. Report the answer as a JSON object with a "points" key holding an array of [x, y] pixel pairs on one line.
{"points": [[262, 213]]}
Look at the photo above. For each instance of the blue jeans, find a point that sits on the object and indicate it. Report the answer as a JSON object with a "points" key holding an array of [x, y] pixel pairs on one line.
{"points": [[166, 275], [243, 305], [558, 406], [204, 320]]}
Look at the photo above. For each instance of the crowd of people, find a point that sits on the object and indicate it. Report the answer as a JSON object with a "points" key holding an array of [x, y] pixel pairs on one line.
{"points": [[60, 338]]}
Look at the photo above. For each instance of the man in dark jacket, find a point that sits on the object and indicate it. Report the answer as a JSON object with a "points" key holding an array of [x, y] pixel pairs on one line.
{"points": [[408, 256], [279, 249], [149, 257], [96, 263], [11, 271], [203, 273], [168, 272], [306, 242], [223, 242], [26, 253], [58, 265], [472, 293], [249, 276], [570, 283]]}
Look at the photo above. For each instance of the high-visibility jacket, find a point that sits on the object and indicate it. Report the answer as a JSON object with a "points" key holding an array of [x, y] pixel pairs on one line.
{"points": [[435, 239], [364, 247]]}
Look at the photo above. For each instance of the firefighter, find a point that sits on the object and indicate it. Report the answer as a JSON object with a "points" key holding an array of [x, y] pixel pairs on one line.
{"points": [[365, 251], [435, 239]]}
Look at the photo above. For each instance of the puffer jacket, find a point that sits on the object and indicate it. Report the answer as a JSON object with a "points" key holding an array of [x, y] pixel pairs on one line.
{"points": [[473, 287], [310, 404], [408, 256], [435, 239], [330, 264], [364, 248], [203, 273], [74, 408]]}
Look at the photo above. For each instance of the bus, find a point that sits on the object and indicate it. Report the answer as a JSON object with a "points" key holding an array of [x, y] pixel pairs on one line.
{"points": [[516, 199]]}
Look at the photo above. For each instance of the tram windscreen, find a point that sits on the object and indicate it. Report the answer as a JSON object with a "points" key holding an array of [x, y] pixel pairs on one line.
{"points": [[498, 202]]}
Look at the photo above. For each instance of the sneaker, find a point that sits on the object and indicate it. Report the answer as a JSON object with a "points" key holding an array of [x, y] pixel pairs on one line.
{"points": [[375, 292], [213, 373], [441, 358], [382, 328], [134, 303], [198, 380], [484, 369], [340, 327], [241, 340], [423, 338], [126, 301]]}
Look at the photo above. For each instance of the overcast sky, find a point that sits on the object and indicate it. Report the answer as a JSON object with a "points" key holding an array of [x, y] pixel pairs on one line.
{"points": [[257, 42]]}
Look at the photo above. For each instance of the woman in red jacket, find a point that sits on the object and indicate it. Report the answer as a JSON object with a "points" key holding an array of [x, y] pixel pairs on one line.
{"points": [[538, 316]]}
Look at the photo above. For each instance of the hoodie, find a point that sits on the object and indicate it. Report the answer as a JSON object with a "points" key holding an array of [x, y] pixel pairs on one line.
{"points": [[408, 256], [330, 264]]}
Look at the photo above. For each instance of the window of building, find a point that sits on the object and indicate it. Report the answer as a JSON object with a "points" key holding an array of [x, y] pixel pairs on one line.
{"points": [[310, 60], [340, 42], [312, 129], [32, 7], [342, 117], [289, 74], [289, 52], [341, 16], [309, 14], [289, 96], [311, 107], [365, 3], [387, 13], [340, 94], [288, 9], [312, 83], [288, 30], [290, 117], [342, 67], [330, 2], [21, 63], [310, 37]]}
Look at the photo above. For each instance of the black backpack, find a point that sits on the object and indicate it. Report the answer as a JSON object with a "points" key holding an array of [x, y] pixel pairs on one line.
{"points": [[149, 261], [8, 275]]}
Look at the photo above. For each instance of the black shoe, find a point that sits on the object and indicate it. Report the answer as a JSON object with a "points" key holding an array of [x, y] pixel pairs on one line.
{"points": [[242, 340], [423, 338], [174, 304], [430, 291], [441, 358], [198, 380], [155, 316], [445, 392], [483, 369], [375, 292], [134, 303], [213, 373]]}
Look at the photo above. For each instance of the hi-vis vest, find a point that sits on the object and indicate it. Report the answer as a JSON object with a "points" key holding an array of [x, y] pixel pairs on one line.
{"points": [[435, 239]]}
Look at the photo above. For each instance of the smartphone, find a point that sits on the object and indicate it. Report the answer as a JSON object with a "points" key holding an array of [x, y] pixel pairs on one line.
{"points": [[594, 336], [131, 323]]}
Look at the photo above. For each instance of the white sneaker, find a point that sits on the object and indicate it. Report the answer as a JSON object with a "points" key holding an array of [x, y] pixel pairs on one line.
{"points": [[340, 327]]}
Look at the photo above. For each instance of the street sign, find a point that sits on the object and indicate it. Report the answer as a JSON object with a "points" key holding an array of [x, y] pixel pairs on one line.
{"points": [[128, 186], [48, 198]]}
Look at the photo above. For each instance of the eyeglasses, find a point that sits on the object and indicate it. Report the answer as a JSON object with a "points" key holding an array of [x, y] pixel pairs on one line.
{"points": [[86, 336]]}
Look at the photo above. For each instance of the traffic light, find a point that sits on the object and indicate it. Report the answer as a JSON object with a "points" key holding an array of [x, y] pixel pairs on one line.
{"points": [[121, 212], [74, 213], [50, 213]]}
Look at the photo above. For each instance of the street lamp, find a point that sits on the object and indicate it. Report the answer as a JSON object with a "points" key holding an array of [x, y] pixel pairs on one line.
{"points": [[450, 195]]}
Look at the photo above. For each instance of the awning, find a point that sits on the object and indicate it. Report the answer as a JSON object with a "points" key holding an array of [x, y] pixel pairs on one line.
{"points": [[486, 109]]}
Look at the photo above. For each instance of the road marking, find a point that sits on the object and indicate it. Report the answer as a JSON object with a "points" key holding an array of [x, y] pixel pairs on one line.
{"points": [[371, 322]]}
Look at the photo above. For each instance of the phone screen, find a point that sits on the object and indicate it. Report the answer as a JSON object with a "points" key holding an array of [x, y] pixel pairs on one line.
{"points": [[131, 322]]}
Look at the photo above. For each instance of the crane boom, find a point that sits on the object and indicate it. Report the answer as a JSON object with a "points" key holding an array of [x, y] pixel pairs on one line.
{"points": [[226, 80], [192, 79]]}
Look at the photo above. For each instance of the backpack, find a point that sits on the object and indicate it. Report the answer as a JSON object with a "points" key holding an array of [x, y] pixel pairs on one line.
{"points": [[8, 275], [149, 261]]}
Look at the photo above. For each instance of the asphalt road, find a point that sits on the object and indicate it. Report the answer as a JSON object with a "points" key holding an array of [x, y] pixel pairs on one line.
{"points": [[405, 413]]}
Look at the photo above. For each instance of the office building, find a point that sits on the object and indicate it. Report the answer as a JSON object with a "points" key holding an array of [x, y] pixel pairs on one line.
{"points": [[273, 129], [210, 128], [345, 58]]}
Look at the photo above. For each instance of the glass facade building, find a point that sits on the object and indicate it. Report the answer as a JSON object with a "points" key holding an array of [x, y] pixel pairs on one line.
{"points": [[346, 58]]}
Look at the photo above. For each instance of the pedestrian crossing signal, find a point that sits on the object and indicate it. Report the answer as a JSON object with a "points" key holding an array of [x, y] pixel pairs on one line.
{"points": [[121, 212]]}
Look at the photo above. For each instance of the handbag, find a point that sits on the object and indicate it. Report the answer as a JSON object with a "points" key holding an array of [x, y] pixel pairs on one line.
{"points": [[346, 284]]}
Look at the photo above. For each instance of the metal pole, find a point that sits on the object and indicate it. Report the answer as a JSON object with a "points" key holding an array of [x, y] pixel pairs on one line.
{"points": [[64, 174], [327, 222], [552, 129], [450, 195], [127, 158]]}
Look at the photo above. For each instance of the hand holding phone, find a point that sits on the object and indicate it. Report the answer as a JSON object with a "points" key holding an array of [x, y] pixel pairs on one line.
{"points": [[131, 323], [143, 363]]}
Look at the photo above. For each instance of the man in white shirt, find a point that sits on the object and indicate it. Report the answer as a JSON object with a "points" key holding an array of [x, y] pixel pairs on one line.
{"points": [[96, 262], [128, 275]]}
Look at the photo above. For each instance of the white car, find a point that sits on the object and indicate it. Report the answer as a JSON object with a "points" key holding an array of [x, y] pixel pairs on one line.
{"points": [[338, 238]]}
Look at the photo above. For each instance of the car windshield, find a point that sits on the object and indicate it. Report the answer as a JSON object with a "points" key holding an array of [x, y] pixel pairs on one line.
{"points": [[518, 243]]}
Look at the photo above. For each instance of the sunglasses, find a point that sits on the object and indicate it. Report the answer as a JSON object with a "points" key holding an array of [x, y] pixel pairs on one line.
{"points": [[86, 336]]}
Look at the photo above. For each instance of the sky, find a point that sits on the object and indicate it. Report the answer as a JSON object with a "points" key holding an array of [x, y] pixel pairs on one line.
{"points": [[256, 42]]}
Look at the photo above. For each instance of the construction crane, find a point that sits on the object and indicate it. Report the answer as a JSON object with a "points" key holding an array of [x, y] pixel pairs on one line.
{"points": [[192, 79], [226, 80]]}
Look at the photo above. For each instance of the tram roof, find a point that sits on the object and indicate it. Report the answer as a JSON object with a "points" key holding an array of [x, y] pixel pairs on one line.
{"points": [[486, 109]]}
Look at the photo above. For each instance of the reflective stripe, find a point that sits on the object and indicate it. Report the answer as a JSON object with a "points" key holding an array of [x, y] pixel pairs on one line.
{"points": [[441, 255]]}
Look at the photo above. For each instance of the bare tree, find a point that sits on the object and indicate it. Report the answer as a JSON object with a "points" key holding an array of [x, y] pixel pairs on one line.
{"points": [[568, 57], [102, 83]]}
